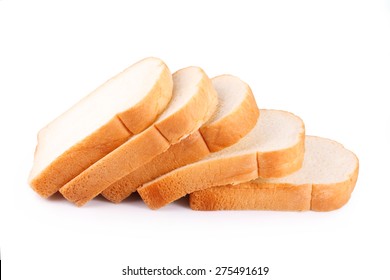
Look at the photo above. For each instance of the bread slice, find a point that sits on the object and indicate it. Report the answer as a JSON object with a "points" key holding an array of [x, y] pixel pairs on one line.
{"points": [[123, 106], [325, 182], [193, 103], [274, 148], [236, 115]]}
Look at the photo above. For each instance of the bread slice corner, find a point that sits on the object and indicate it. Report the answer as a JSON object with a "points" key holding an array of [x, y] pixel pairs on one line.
{"points": [[99, 123]]}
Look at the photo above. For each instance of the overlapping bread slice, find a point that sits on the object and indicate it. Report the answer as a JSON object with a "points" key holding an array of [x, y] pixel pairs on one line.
{"points": [[120, 108], [274, 148], [236, 115], [325, 182], [194, 101]]}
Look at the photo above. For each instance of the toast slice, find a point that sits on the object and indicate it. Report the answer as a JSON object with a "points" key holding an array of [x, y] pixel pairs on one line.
{"points": [[274, 148], [236, 115], [120, 108], [194, 101], [325, 182]]}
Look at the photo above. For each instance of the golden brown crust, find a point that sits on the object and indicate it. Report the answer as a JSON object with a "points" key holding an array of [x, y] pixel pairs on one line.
{"points": [[180, 182], [276, 196], [129, 156], [281, 163], [190, 149], [192, 115], [252, 196], [144, 113], [79, 157], [221, 134], [143, 147], [221, 171], [234, 126], [104, 140], [333, 196]]}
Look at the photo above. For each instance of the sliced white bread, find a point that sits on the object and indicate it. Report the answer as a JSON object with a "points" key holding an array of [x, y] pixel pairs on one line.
{"points": [[123, 106], [236, 115], [274, 148], [194, 101], [324, 183]]}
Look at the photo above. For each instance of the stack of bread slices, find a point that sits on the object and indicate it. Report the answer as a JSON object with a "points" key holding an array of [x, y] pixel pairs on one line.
{"points": [[167, 135]]}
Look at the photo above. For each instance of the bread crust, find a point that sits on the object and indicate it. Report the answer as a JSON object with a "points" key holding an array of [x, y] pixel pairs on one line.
{"points": [[192, 115], [234, 126], [128, 156], [79, 157], [333, 196], [139, 117], [221, 171], [143, 147], [175, 185], [190, 149], [104, 140], [276, 196], [280, 163], [252, 196], [209, 138]]}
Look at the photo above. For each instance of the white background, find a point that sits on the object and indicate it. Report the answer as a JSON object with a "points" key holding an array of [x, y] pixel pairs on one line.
{"points": [[326, 61]]}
